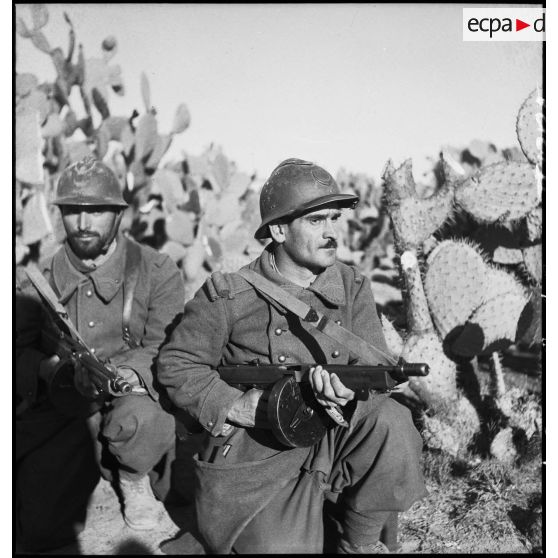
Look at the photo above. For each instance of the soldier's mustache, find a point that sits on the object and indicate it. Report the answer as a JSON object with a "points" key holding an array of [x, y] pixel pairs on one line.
{"points": [[331, 244]]}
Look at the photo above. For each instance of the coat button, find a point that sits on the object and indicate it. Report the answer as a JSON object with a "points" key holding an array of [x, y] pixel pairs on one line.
{"points": [[93, 350], [338, 322], [282, 358], [89, 293], [91, 324], [210, 423], [335, 353], [278, 331]]}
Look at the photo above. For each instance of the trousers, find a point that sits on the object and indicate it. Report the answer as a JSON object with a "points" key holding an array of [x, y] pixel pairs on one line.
{"points": [[57, 462], [274, 502]]}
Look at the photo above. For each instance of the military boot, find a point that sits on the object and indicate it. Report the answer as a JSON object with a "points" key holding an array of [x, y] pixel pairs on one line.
{"points": [[141, 510]]}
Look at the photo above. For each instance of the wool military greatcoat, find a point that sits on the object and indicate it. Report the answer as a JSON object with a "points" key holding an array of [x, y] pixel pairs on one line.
{"points": [[234, 324]]}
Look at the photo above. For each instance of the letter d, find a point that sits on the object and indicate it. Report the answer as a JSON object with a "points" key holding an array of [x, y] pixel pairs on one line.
{"points": [[538, 25]]}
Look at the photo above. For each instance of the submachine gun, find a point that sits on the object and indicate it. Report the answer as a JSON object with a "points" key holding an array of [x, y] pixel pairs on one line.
{"points": [[297, 419], [63, 339]]}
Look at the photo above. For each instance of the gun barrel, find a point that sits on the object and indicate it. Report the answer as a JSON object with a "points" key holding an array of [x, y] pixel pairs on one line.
{"points": [[373, 376], [121, 386], [415, 369]]}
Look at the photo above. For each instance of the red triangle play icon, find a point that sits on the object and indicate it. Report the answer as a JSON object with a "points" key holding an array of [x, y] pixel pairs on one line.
{"points": [[519, 25]]}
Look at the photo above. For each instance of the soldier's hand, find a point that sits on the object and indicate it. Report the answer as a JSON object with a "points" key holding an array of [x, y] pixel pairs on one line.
{"points": [[328, 388], [83, 383], [250, 409], [47, 367], [133, 379]]}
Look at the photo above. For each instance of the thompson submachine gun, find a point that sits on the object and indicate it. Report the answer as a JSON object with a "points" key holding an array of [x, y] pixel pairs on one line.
{"points": [[297, 419], [64, 340]]}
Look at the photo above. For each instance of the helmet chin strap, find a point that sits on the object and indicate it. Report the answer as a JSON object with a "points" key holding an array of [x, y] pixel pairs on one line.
{"points": [[113, 232]]}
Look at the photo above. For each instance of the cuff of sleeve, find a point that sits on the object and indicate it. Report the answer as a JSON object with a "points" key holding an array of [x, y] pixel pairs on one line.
{"points": [[27, 374], [121, 361], [216, 407]]}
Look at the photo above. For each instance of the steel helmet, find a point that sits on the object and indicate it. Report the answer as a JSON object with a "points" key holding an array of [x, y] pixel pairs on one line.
{"points": [[294, 187], [89, 182]]}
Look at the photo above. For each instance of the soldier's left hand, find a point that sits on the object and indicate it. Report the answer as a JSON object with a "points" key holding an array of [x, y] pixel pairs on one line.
{"points": [[133, 379], [328, 388]]}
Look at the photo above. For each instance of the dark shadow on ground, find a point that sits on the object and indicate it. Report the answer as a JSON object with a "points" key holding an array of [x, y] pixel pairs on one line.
{"points": [[132, 547]]}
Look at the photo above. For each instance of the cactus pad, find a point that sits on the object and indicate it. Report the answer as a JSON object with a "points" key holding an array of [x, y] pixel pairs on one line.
{"points": [[493, 325], [529, 127], [454, 282], [504, 191], [534, 224], [532, 260], [440, 382], [25, 83], [181, 119], [418, 316], [393, 339], [180, 227], [146, 136]]}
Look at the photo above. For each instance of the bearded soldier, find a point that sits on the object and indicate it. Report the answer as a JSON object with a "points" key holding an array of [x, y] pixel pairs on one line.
{"points": [[254, 494], [122, 298]]}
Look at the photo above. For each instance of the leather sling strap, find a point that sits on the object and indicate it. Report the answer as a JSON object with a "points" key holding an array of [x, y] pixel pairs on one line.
{"points": [[131, 275], [54, 307], [356, 345]]}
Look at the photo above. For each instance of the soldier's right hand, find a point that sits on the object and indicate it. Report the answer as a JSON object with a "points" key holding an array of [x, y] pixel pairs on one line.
{"points": [[250, 410], [83, 383]]}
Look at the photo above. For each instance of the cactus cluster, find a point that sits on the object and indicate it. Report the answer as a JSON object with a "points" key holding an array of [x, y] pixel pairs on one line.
{"points": [[414, 218], [477, 241]]}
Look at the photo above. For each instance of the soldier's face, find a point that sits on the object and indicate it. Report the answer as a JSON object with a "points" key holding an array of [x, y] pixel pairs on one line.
{"points": [[310, 241], [90, 229]]}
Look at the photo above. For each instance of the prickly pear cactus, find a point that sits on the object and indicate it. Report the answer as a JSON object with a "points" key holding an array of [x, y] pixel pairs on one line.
{"points": [[393, 339], [485, 314], [422, 343], [454, 267], [530, 126], [472, 296], [504, 191], [415, 219]]}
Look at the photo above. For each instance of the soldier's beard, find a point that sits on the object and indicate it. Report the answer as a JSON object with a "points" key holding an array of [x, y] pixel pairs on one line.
{"points": [[88, 246]]}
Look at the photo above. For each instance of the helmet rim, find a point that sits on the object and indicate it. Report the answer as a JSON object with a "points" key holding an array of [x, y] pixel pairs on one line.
{"points": [[344, 200], [88, 200]]}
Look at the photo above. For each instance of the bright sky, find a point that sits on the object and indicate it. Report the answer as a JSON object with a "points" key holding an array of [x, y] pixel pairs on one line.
{"points": [[341, 84]]}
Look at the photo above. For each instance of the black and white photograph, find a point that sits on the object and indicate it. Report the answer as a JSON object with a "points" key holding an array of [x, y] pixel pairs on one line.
{"points": [[279, 278]]}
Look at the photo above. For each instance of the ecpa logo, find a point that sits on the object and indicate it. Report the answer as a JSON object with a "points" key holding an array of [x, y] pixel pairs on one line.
{"points": [[503, 24]]}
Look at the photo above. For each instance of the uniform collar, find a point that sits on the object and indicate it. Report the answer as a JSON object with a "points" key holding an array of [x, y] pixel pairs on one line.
{"points": [[69, 272], [328, 285]]}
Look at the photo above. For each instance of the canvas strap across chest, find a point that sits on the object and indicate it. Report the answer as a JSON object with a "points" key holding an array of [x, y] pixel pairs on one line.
{"points": [[355, 344]]}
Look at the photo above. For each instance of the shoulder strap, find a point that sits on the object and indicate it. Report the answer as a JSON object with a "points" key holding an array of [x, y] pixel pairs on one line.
{"points": [[131, 275], [354, 343]]}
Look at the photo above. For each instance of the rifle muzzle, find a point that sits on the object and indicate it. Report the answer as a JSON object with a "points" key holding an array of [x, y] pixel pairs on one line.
{"points": [[415, 369], [118, 385]]}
